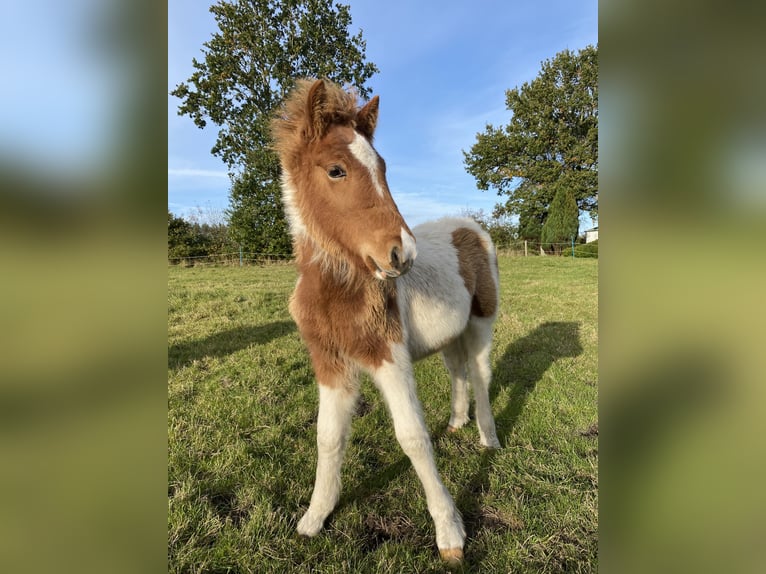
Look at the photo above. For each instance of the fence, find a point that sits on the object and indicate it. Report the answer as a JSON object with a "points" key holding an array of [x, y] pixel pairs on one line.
{"points": [[515, 248], [526, 248], [232, 258]]}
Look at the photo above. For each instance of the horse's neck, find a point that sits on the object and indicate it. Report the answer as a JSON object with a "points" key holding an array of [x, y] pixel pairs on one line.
{"points": [[333, 274]]}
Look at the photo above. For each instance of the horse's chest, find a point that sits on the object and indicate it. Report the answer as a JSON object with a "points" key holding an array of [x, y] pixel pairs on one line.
{"points": [[359, 324]]}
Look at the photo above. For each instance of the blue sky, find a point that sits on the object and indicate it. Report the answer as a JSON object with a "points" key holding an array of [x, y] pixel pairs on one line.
{"points": [[444, 69], [62, 86]]}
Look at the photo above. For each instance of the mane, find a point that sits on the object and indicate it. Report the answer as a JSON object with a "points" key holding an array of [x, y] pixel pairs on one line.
{"points": [[290, 125]]}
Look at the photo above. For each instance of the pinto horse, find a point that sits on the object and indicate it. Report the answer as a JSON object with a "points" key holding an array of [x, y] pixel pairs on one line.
{"points": [[374, 296]]}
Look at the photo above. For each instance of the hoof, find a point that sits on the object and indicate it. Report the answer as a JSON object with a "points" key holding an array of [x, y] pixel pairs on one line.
{"points": [[309, 526], [452, 556], [450, 428], [492, 443]]}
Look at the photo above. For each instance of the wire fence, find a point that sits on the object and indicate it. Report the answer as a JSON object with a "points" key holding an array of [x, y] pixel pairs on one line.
{"points": [[526, 248], [231, 258], [517, 248]]}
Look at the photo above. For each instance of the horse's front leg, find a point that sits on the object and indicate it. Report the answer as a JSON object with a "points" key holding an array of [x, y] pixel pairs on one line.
{"points": [[336, 405], [397, 385]]}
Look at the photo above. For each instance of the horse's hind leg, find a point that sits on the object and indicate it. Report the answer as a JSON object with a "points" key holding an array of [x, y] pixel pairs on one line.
{"points": [[454, 356], [478, 345]]}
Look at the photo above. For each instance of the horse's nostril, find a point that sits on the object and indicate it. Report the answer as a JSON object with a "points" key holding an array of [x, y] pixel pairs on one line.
{"points": [[395, 260]]}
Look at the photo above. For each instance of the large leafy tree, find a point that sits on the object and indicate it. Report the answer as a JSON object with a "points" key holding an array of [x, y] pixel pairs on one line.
{"points": [[251, 62], [551, 142]]}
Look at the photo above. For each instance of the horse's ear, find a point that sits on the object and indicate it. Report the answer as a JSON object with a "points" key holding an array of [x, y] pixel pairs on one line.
{"points": [[315, 106], [367, 118]]}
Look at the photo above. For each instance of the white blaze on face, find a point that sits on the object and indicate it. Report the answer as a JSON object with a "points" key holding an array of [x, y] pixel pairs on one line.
{"points": [[368, 157]]}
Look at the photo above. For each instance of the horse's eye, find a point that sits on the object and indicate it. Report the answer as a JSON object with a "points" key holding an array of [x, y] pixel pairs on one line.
{"points": [[336, 172]]}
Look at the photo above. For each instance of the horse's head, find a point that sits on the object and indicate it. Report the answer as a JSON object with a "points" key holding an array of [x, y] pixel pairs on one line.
{"points": [[334, 182]]}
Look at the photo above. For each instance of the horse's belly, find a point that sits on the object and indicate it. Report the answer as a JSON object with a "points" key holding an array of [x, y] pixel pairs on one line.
{"points": [[435, 304], [433, 320]]}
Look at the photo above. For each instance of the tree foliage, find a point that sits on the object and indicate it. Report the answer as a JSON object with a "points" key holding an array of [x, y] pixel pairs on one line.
{"points": [[258, 222], [201, 234], [183, 241], [499, 226], [212, 226], [551, 142], [562, 222], [250, 64]]}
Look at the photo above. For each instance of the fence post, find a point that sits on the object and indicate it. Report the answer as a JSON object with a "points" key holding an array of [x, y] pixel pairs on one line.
{"points": [[240, 256], [572, 247], [525, 248]]}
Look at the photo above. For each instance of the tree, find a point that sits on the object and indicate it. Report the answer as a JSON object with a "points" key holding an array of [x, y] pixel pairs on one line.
{"points": [[499, 226], [182, 239], [550, 142], [258, 221], [251, 63], [211, 225], [563, 219]]}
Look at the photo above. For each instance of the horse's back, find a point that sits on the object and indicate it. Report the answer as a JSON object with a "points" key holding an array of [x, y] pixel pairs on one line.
{"points": [[453, 278]]}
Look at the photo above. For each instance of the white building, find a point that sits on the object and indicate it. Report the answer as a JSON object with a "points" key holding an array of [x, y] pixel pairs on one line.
{"points": [[591, 235]]}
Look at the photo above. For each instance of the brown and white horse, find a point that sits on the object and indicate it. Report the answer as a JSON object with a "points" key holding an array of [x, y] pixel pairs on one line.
{"points": [[357, 307]]}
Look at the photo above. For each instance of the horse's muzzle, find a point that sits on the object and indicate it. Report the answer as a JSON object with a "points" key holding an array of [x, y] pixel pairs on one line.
{"points": [[397, 266], [400, 263]]}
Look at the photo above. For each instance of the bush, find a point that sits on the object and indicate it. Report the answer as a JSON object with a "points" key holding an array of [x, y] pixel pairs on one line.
{"points": [[587, 250], [183, 240], [190, 239]]}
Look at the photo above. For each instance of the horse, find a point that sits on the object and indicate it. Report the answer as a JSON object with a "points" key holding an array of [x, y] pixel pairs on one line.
{"points": [[374, 296]]}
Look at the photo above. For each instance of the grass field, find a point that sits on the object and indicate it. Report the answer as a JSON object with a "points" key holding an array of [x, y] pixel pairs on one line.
{"points": [[242, 430]]}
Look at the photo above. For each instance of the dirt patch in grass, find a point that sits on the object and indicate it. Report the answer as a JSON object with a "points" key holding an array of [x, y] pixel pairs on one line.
{"points": [[592, 430], [497, 520], [226, 506], [381, 529]]}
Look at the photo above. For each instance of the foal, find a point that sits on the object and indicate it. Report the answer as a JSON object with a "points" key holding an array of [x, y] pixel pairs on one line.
{"points": [[357, 307]]}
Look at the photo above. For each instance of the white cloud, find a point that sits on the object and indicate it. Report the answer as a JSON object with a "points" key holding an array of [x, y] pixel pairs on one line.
{"points": [[188, 172], [419, 207]]}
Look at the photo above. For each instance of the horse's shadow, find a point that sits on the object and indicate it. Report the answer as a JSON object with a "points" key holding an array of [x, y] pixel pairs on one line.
{"points": [[226, 342], [520, 368], [524, 363]]}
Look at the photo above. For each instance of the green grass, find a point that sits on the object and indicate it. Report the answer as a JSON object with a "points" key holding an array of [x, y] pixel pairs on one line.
{"points": [[242, 430]]}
